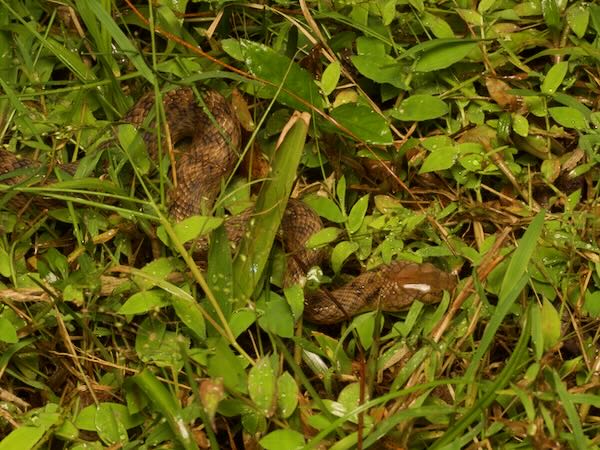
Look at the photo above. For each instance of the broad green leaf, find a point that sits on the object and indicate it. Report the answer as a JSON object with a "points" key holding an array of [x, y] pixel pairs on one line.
{"points": [[233, 47], [485, 5], [381, 69], [520, 125], [551, 13], [591, 303], [471, 16], [294, 295], [443, 55], [572, 102], [550, 169], [419, 5], [5, 263], [86, 419], [537, 334], [349, 397], [154, 272], [325, 207], [438, 26], [143, 302], [554, 78], [253, 422], [190, 228], [323, 237], [420, 107], [388, 12], [276, 316], [186, 307], [287, 395], [390, 247], [280, 439], [262, 386], [524, 9], [132, 142], [278, 70], [370, 46], [440, 159], [578, 17], [155, 344], [67, 431], [434, 143], [503, 126], [23, 438], [330, 77], [227, 365], [241, 320], [568, 117], [364, 325], [108, 427], [364, 123], [340, 253], [188, 310], [551, 325], [8, 332], [357, 214]]}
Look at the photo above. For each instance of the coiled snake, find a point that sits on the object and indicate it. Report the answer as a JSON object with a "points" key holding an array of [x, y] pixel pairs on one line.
{"points": [[211, 157]]}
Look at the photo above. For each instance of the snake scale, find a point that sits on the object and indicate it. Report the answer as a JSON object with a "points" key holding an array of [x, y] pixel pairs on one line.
{"points": [[210, 158]]}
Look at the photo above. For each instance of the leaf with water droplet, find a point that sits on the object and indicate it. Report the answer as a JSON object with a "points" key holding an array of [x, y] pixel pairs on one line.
{"points": [[262, 386]]}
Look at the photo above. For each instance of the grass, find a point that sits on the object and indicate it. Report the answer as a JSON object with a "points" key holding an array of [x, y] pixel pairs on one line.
{"points": [[460, 135]]}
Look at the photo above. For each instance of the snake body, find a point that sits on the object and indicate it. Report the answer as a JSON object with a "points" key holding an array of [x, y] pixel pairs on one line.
{"points": [[210, 158]]}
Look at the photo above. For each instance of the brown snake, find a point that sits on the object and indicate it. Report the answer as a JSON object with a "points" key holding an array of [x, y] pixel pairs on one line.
{"points": [[211, 157]]}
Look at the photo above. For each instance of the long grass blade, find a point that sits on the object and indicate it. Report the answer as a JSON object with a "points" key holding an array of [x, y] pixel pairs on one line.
{"points": [[270, 206]]}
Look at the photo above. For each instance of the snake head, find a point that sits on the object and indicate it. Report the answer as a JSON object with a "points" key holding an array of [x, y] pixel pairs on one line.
{"points": [[405, 282]]}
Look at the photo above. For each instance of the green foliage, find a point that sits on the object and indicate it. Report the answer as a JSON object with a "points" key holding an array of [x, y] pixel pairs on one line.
{"points": [[460, 133]]}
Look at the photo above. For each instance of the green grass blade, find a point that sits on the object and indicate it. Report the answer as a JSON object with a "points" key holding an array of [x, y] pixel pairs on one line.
{"points": [[516, 358], [381, 400], [567, 403], [70, 59], [270, 206], [520, 259], [165, 402], [122, 41], [513, 283]]}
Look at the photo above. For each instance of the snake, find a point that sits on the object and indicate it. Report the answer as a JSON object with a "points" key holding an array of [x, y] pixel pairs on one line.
{"points": [[206, 119]]}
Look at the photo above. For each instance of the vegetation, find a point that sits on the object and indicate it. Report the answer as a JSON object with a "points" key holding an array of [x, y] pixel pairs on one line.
{"points": [[460, 133]]}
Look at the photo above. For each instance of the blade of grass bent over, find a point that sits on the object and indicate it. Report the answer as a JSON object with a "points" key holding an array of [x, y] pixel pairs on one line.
{"points": [[270, 206]]}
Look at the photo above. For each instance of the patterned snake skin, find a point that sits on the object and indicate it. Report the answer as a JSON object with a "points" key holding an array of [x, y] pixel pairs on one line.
{"points": [[211, 157]]}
